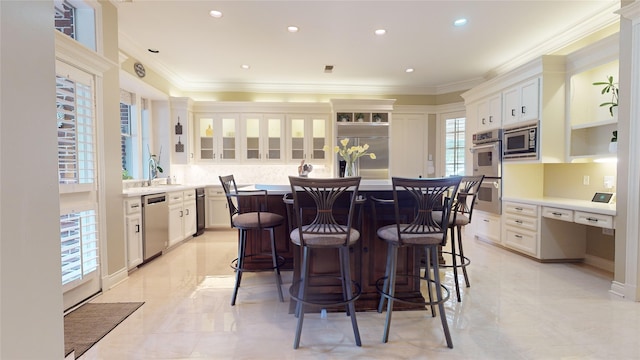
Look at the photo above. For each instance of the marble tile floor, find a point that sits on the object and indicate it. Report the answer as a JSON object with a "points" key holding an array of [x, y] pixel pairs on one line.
{"points": [[516, 308]]}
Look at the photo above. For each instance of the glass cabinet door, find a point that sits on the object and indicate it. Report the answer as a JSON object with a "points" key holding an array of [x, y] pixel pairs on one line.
{"points": [[274, 139], [207, 143], [319, 138], [297, 138], [252, 138], [228, 138]]}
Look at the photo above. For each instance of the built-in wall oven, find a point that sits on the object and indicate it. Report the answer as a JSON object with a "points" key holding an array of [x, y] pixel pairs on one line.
{"points": [[487, 160]]}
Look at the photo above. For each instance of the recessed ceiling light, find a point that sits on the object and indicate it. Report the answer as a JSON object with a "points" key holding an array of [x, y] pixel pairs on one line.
{"points": [[292, 29], [215, 13], [381, 32], [460, 22], [245, 66], [408, 70]]}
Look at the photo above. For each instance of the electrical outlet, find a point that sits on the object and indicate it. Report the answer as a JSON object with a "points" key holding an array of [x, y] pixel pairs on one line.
{"points": [[609, 182], [585, 180]]}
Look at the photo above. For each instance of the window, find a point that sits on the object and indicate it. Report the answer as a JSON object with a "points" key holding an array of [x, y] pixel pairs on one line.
{"points": [[134, 134], [79, 246], [454, 146], [76, 19], [77, 177]]}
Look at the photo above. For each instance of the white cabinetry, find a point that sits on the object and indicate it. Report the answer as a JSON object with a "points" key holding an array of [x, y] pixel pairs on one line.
{"points": [[217, 208], [490, 113], [521, 227], [487, 226], [522, 102], [216, 137], [407, 136], [133, 224], [307, 136], [182, 215], [263, 137]]}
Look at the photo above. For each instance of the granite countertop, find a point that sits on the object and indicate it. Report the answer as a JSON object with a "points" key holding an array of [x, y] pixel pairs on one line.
{"points": [[566, 203]]}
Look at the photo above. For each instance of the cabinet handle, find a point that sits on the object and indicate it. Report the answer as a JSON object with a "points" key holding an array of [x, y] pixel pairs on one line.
{"points": [[518, 222], [485, 220], [490, 118], [592, 219], [181, 213], [518, 236], [513, 112], [524, 109], [518, 209], [135, 206], [483, 121], [556, 214], [187, 211], [137, 228]]}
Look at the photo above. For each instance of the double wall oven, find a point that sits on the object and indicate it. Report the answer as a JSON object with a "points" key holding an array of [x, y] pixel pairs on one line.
{"points": [[487, 161]]}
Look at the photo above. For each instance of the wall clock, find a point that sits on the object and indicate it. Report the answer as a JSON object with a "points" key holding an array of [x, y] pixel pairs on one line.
{"points": [[139, 69]]}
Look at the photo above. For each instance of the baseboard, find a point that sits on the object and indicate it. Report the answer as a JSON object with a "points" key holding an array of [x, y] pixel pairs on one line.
{"points": [[599, 263], [617, 289], [114, 279]]}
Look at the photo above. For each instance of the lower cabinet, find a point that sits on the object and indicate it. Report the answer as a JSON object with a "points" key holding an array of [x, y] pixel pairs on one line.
{"points": [[133, 226], [486, 226], [182, 215], [521, 227], [217, 208]]}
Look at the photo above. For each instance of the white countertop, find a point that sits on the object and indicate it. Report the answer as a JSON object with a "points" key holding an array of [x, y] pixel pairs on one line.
{"points": [[365, 185], [156, 189], [565, 203]]}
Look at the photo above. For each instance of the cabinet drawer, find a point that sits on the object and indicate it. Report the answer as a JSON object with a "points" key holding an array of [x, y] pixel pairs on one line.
{"points": [[558, 214], [189, 195], [487, 227], [522, 222], [524, 241], [213, 192], [599, 220], [522, 209], [133, 206], [175, 197]]}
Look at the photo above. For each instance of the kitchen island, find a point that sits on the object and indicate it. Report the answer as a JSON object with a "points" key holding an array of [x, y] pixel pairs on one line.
{"points": [[368, 255]]}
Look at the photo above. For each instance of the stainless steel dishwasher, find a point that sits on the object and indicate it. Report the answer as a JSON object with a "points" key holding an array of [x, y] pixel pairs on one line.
{"points": [[155, 225]]}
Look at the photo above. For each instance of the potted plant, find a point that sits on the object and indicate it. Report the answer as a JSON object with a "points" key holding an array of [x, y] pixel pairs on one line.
{"points": [[609, 87], [377, 117], [360, 117]]}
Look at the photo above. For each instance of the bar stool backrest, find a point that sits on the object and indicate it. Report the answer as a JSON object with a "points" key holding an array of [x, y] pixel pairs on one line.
{"points": [[326, 194], [467, 194], [426, 196], [230, 187]]}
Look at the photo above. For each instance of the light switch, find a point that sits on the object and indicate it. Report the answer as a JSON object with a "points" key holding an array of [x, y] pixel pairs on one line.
{"points": [[585, 180], [609, 182]]}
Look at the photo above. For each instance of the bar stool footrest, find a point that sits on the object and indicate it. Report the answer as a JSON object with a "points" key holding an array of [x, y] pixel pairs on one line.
{"points": [[380, 284], [234, 263], [464, 261], [293, 292]]}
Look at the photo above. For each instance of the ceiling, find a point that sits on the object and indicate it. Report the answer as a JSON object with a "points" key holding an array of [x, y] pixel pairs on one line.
{"points": [[200, 53]]}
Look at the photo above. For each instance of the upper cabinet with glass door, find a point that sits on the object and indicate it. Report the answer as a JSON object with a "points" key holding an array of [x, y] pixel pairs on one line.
{"points": [[216, 137], [307, 138], [263, 139]]}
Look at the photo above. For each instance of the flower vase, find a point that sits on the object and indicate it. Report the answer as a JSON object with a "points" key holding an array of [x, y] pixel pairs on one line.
{"points": [[350, 169]]}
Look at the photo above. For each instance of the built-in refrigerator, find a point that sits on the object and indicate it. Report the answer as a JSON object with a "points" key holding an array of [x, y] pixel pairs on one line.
{"points": [[377, 137]]}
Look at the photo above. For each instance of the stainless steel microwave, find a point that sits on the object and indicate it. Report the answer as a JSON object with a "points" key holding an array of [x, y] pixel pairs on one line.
{"points": [[520, 142]]}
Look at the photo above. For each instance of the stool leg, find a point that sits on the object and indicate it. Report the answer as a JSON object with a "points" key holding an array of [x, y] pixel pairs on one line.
{"points": [[443, 316], [274, 256], [392, 255], [455, 262], [427, 277], [302, 292], [242, 236], [462, 257], [346, 279], [385, 287]]}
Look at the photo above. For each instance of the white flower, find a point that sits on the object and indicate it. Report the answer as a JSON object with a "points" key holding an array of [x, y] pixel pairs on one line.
{"points": [[353, 153]]}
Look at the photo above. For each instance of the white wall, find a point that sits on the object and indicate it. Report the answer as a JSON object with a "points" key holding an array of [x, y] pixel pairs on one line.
{"points": [[31, 318]]}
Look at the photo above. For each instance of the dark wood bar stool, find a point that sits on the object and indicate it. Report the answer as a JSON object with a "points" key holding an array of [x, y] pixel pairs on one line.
{"points": [[255, 217], [422, 210], [331, 227], [463, 208]]}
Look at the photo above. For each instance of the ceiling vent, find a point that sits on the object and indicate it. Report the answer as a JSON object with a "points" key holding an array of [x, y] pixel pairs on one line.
{"points": [[328, 69]]}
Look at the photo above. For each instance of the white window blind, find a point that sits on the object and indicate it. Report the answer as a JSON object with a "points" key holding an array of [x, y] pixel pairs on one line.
{"points": [[79, 246], [454, 146], [76, 155]]}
